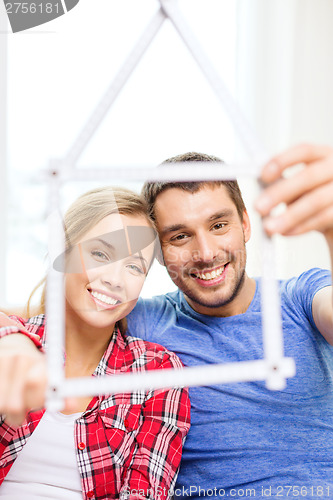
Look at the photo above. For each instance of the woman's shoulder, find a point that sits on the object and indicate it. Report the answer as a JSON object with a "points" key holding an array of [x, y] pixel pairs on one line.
{"points": [[35, 324], [151, 352]]}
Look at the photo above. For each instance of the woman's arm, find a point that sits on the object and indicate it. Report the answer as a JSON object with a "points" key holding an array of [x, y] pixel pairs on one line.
{"points": [[159, 441], [22, 370], [15, 324]]}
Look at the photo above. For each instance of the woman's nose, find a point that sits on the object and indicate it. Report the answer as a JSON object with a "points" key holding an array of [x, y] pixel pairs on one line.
{"points": [[112, 276]]}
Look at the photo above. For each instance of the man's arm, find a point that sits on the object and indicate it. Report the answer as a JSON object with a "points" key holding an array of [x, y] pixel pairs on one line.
{"points": [[308, 196], [322, 312]]}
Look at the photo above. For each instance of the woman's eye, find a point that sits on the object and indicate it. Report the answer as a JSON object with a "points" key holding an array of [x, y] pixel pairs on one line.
{"points": [[136, 269], [99, 255]]}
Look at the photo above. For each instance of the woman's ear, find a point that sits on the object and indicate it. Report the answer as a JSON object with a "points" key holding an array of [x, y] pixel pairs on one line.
{"points": [[159, 253], [160, 258]]}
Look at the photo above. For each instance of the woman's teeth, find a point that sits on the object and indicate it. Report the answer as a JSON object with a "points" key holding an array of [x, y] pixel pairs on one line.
{"points": [[104, 298], [211, 275]]}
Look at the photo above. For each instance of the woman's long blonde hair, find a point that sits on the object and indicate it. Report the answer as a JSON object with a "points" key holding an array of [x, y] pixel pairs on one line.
{"points": [[84, 214]]}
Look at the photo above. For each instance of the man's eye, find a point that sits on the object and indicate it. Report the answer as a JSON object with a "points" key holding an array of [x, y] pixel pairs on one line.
{"points": [[179, 237], [219, 225], [98, 255]]}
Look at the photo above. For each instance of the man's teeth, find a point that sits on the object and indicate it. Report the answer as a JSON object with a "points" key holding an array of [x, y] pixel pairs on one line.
{"points": [[211, 275], [104, 298]]}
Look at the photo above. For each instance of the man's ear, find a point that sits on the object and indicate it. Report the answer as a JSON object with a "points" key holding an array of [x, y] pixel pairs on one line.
{"points": [[246, 226]]}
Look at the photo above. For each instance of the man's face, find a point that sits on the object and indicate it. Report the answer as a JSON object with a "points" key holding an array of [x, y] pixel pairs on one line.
{"points": [[203, 242]]}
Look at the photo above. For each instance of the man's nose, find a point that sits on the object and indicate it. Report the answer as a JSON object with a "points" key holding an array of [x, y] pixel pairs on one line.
{"points": [[205, 248]]}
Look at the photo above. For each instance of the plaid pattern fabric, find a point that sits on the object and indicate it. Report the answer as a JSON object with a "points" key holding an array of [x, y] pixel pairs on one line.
{"points": [[129, 445]]}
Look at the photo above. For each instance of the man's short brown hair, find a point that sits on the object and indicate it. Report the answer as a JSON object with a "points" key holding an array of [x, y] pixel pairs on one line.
{"points": [[151, 190]]}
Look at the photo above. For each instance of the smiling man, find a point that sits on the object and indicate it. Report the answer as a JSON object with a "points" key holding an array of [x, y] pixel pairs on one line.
{"points": [[205, 250], [246, 440]]}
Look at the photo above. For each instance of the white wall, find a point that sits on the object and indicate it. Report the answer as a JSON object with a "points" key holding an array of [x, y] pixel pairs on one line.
{"points": [[58, 73], [3, 154], [285, 81]]}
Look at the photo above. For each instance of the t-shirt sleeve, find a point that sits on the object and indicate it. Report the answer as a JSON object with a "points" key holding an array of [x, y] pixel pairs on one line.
{"points": [[302, 289]]}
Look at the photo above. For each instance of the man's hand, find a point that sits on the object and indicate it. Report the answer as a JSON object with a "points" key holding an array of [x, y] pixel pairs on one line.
{"points": [[308, 194], [23, 379]]}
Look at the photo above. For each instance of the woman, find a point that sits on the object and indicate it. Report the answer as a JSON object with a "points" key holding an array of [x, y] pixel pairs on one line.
{"points": [[115, 446]]}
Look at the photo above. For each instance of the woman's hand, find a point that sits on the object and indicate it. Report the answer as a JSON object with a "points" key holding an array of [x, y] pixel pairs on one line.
{"points": [[23, 378], [308, 194]]}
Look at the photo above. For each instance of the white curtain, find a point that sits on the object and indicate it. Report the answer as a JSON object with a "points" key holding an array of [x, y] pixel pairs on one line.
{"points": [[3, 151], [285, 87]]}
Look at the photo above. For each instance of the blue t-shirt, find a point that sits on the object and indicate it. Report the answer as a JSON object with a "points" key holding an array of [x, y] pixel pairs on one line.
{"points": [[246, 440]]}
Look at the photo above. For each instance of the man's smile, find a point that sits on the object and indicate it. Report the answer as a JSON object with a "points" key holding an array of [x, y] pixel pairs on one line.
{"points": [[209, 277]]}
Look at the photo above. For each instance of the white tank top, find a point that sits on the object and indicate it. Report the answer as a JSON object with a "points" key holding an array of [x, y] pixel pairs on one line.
{"points": [[47, 466]]}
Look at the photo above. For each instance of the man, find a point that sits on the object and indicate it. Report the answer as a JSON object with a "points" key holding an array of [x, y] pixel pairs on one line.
{"points": [[246, 440]]}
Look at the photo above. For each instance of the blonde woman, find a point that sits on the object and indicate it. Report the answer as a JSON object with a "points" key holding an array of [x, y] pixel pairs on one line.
{"points": [[125, 446]]}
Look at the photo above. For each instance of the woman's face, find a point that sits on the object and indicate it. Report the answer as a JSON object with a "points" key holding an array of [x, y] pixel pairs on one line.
{"points": [[106, 269]]}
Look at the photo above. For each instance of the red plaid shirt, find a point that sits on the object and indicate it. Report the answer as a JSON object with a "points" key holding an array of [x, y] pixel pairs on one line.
{"points": [[128, 446]]}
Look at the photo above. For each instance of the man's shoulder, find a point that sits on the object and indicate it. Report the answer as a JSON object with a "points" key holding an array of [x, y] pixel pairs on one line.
{"points": [[150, 314], [158, 304], [297, 293], [310, 280], [166, 298]]}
